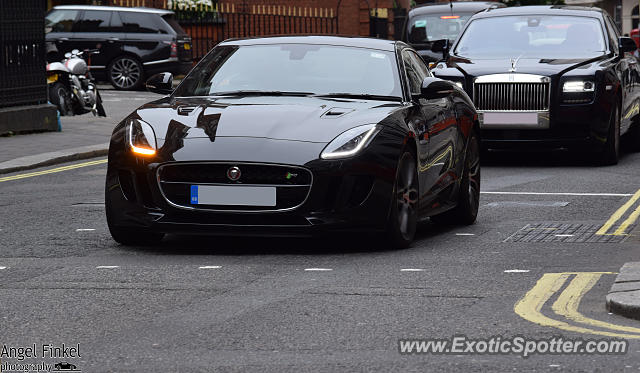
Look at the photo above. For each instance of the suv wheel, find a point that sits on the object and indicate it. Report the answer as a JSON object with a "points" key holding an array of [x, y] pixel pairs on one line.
{"points": [[125, 73]]}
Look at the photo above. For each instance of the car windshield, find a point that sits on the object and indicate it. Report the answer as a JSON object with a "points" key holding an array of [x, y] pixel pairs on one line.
{"points": [[429, 27], [294, 68], [534, 36]]}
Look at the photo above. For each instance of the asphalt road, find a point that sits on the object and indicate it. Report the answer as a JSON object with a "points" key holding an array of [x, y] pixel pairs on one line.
{"points": [[295, 305]]}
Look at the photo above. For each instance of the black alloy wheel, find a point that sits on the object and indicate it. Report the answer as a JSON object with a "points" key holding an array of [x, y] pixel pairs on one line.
{"points": [[403, 219], [126, 73]]}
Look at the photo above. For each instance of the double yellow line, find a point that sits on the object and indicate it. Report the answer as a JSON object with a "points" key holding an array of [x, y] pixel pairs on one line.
{"points": [[53, 170], [621, 230], [566, 305]]}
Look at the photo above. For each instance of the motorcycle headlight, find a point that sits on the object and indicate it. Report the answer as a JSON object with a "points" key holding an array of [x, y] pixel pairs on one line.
{"points": [[578, 86], [350, 142], [141, 138]]}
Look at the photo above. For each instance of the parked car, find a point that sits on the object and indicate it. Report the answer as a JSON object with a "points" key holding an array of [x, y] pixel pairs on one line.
{"points": [[548, 77], [324, 133], [133, 42], [429, 22]]}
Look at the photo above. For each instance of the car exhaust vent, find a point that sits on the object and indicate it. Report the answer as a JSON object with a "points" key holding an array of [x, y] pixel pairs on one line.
{"points": [[186, 110], [336, 112]]}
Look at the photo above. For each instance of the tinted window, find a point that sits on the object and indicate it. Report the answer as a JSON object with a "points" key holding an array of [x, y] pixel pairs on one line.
{"points": [[139, 23], [431, 27], [60, 20], [534, 36], [93, 21], [319, 69], [415, 73], [174, 24]]}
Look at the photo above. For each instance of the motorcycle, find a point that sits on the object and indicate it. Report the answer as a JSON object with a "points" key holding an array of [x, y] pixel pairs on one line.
{"points": [[71, 87]]}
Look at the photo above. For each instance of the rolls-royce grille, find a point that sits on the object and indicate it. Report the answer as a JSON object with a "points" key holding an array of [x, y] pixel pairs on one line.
{"points": [[292, 183], [512, 96]]}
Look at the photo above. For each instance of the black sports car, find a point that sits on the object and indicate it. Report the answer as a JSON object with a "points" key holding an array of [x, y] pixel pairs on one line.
{"points": [[296, 135], [548, 77]]}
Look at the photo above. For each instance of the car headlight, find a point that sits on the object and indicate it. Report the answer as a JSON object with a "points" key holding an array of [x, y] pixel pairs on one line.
{"points": [[141, 138], [578, 86], [350, 142]]}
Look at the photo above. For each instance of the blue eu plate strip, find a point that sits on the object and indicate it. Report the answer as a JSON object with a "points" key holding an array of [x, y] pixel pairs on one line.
{"points": [[194, 194]]}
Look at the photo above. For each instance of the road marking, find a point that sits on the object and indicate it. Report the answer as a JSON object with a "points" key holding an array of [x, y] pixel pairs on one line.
{"points": [[619, 214], [53, 170], [2, 267], [561, 194], [107, 267], [563, 235], [465, 234], [529, 307], [568, 301], [412, 270], [516, 270], [318, 269], [210, 267], [85, 230]]}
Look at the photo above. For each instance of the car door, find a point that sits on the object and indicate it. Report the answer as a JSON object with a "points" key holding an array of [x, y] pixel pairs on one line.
{"points": [[439, 133], [98, 29], [59, 30]]}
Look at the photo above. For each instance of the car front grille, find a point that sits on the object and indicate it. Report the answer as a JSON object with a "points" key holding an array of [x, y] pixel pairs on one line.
{"points": [[511, 96], [292, 183]]}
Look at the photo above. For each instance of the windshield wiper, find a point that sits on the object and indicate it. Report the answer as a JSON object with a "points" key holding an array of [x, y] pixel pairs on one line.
{"points": [[260, 93], [361, 96]]}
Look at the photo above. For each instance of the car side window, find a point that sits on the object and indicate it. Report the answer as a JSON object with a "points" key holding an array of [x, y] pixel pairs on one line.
{"points": [[60, 21], [613, 34], [415, 75], [138, 23], [422, 67], [93, 21]]}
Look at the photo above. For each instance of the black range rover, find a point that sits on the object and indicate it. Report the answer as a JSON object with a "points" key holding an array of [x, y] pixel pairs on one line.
{"points": [[548, 77], [133, 42]]}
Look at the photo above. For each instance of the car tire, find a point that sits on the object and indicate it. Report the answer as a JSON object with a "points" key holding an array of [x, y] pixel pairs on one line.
{"points": [[60, 96], [466, 210], [125, 73], [403, 219], [131, 236], [611, 152]]}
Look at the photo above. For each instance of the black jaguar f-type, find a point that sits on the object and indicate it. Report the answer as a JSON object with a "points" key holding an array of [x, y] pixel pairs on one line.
{"points": [[296, 136]]}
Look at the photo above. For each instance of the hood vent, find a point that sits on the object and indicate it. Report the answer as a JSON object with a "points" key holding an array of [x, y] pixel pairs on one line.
{"points": [[336, 112], [186, 110]]}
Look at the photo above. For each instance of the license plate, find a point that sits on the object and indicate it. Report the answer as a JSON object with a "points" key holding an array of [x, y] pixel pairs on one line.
{"points": [[236, 195], [511, 118], [187, 47]]}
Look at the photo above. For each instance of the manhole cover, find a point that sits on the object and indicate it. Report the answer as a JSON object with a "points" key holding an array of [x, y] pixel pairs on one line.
{"points": [[562, 232]]}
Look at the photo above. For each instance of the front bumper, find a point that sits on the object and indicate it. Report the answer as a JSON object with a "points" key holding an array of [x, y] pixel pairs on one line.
{"points": [[348, 195]]}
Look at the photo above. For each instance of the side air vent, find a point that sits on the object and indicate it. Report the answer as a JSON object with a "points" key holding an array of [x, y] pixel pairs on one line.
{"points": [[336, 112], [185, 110]]}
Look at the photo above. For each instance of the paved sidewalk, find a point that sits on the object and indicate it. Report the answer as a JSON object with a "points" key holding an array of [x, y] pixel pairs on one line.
{"points": [[624, 296], [83, 136]]}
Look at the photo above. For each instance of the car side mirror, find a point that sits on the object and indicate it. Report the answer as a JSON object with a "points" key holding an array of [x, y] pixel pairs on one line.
{"points": [[161, 83], [434, 88], [441, 45], [627, 45]]}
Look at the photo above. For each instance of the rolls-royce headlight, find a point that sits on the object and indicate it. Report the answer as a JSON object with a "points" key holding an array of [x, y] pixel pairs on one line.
{"points": [[140, 137], [578, 86], [350, 142]]}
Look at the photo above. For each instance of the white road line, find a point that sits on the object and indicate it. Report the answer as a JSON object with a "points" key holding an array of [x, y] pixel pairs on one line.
{"points": [[563, 235], [1, 267], [516, 271], [412, 270], [107, 267], [210, 267], [318, 269], [465, 234], [561, 194], [85, 230], [554, 365]]}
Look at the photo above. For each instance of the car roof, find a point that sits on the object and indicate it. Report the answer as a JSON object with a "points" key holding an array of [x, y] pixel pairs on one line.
{"points": [[347, 41], [114, 8], [458, 6], [542, 10]]}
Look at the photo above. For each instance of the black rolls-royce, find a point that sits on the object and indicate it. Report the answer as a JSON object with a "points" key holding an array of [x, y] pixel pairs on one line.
{"points": [[547, 77], [296, 135]]}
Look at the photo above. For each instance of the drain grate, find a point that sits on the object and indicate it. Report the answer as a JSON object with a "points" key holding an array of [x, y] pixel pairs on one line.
{"points": [[562, 232]]}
